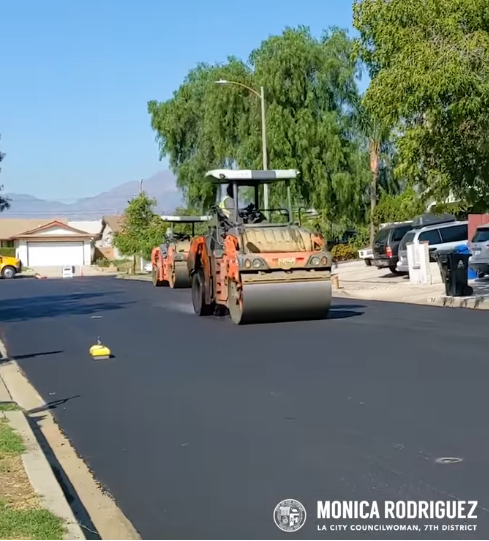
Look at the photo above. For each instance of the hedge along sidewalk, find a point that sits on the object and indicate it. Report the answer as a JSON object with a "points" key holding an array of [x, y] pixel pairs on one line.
{"points": [[32, 505]]}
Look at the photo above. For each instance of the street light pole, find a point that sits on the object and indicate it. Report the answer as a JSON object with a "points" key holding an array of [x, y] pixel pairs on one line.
{"points": [[260, 95], [141, 185], [264, 145]]}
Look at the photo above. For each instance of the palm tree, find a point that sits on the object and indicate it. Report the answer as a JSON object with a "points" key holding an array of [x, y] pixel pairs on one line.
{"points": [[380, 149]]}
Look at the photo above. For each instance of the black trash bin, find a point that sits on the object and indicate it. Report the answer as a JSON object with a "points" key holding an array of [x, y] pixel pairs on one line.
{"points": [[454, 268], [441, 257]]}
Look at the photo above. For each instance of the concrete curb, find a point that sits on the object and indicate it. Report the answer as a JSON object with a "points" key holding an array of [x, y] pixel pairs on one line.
{"points": [[95, 511], [141, 277], [474, 303], [41, 475]]}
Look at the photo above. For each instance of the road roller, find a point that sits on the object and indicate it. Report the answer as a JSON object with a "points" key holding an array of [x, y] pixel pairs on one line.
{"points": [[256, 264], [169, 261]]}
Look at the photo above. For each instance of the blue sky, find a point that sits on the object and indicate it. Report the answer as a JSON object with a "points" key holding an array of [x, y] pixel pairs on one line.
{"points": [[76, 76]]}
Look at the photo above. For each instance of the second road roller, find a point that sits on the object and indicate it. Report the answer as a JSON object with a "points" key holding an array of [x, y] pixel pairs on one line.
{"points": [[257, 269], [169, 261]]}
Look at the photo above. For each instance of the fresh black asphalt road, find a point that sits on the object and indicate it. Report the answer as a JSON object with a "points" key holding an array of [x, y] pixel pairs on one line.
{"points": [[199, 428]]}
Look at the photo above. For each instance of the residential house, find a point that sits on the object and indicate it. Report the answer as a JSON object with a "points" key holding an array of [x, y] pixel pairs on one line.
{"points": [[94, 227], [104, 245], [47, 243]]}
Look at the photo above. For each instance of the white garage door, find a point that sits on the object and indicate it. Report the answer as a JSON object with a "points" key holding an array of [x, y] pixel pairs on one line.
{"points": [[54, 254]]}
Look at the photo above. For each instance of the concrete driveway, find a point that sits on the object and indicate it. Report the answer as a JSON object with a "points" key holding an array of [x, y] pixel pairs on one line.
{"points": [[198, 428]]}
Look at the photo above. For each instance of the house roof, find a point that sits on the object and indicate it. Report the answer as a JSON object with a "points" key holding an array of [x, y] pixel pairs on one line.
{"points": [[60, 225], [114, 222], [11, 227]]}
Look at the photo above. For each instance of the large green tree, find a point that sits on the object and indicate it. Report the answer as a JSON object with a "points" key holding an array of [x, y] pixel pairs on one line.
{"points": [[142, 228], [429, 64], [310, 89]]}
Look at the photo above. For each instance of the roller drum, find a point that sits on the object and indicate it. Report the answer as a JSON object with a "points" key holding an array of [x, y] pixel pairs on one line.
{"points": [[181, 278], [282, 301]]}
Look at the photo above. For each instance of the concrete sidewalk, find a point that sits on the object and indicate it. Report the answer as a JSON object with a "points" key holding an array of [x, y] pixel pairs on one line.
{"points": [[57, 272], [358, 281]]}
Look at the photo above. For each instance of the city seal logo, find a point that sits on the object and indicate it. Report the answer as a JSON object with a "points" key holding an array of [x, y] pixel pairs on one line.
{"points": [[289, 515]]}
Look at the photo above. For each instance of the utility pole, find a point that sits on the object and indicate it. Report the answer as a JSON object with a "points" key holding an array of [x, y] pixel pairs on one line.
{"points": [[260, 95]]}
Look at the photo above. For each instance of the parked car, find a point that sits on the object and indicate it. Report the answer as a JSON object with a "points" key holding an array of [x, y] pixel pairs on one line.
{"points": [[441, 236], [367, 255], [386, 245], [479, 246], [10, 266]]}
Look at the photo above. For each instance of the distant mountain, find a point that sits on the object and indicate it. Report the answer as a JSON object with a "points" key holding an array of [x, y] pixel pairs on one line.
{"points": [[161, 186]]}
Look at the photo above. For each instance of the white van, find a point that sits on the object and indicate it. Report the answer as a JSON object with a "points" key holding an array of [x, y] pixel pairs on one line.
{"points": [[443, 236]]}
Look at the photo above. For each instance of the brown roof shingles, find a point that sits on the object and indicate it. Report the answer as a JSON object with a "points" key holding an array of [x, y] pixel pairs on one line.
{"points": [[114, 222], [57, 224], [11, 227]]}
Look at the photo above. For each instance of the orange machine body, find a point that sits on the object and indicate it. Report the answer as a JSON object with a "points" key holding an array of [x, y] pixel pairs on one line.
{"points": [[257, 270], [165, 265], [224, 273], [169, 261]]}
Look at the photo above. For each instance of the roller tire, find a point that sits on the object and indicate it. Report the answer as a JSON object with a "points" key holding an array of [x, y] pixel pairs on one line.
{"points": [[198, 295], [171, 278], [175, 280], [154, 278], [235, 306]]}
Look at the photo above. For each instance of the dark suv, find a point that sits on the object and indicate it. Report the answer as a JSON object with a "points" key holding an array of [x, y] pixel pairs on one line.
{"points": [[386, 245]]}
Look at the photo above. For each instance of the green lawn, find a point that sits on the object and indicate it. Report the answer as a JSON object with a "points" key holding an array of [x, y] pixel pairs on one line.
{"points": [[29, 524], [9, 407], [10, 442]]}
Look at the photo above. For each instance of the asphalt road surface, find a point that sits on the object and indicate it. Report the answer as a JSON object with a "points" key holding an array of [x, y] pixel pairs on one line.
{"points": [[199, 428]]}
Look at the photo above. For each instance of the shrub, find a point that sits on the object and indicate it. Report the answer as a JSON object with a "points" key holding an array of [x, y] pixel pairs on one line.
{"points": [[361, 240], [121, 262], [102, 262], [125, 266], [7, 252], [398, 208], [343, 252]]}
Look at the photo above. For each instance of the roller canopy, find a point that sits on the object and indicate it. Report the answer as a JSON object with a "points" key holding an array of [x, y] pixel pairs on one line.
{"points": [[424, 220], [249, 177], [185, 219]]}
